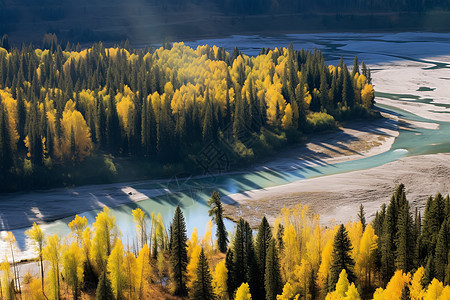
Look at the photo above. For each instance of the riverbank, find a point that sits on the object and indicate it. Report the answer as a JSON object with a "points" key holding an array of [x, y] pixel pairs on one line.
{"points": [[356, 140], [337, 197]]}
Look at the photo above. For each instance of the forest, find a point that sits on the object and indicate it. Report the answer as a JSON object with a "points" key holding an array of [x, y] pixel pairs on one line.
{"points": [[78, 116], [399, 255], [249, 7]]}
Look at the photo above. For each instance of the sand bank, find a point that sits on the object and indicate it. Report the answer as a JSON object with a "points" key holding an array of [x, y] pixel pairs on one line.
{"points": [[337, 197]]}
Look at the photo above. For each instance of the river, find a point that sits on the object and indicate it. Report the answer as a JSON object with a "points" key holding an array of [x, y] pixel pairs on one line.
{"points": [[408, 69]]}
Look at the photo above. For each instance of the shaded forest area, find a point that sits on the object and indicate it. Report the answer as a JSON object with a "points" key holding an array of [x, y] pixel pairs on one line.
{"points": [[73, 115], [399, 255], [154, 21]]}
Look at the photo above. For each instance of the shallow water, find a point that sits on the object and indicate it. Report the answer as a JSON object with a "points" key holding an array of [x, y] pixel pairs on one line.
{"points": [[378, 50]]}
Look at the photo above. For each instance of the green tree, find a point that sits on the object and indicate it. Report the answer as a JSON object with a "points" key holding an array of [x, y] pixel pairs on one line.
{"points": [[216, 212], [362, 216], [202, 288], [263, 239], [341, 257], [104, 289], [244, 261], [442, 252], [272, 276], [231, 281], [405, 242], [178, 254], [430, 271], [6, 157]]}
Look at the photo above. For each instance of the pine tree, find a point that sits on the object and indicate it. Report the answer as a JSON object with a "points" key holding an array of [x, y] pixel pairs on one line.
{"points": [[347, 88], [178, 253], [442, 252], [104, 289], [272, 275], [263, 239], [216, 212], [355, 67], [390, 229], [404, 241], [231, 281], [430, 272], [202, 288], [5, 140], [362, 216], [341, 258], [244, 261], [433, 218]]}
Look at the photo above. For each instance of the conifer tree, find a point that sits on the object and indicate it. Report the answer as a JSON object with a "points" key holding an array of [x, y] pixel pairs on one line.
{"points": [[390, 229], [442, 253], [430, 272], [341, 258], [405, 242], [231, 279], [263, 239], [244, 261], [178, 253], [362, 216], [216, 212], [104, 289], [5, 140], [202, 288], [272, 276], [433, 218]]}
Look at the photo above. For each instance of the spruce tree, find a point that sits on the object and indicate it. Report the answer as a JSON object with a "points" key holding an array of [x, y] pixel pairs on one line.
{"points": [[272, 275], [263, 239], [405, 242], [355, 67], [104, 288], [430, 272], [442, 252], [178, 254], [216, 212], [231, 282], [245, 267], [390, 229], [202, 288], [341, 257], [5, 141], [362, 216]]}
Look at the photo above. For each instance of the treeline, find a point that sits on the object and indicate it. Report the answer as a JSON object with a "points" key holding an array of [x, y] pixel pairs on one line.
{"points": [[252, 7], [327, 6], [164, 105], [394, 257]]}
